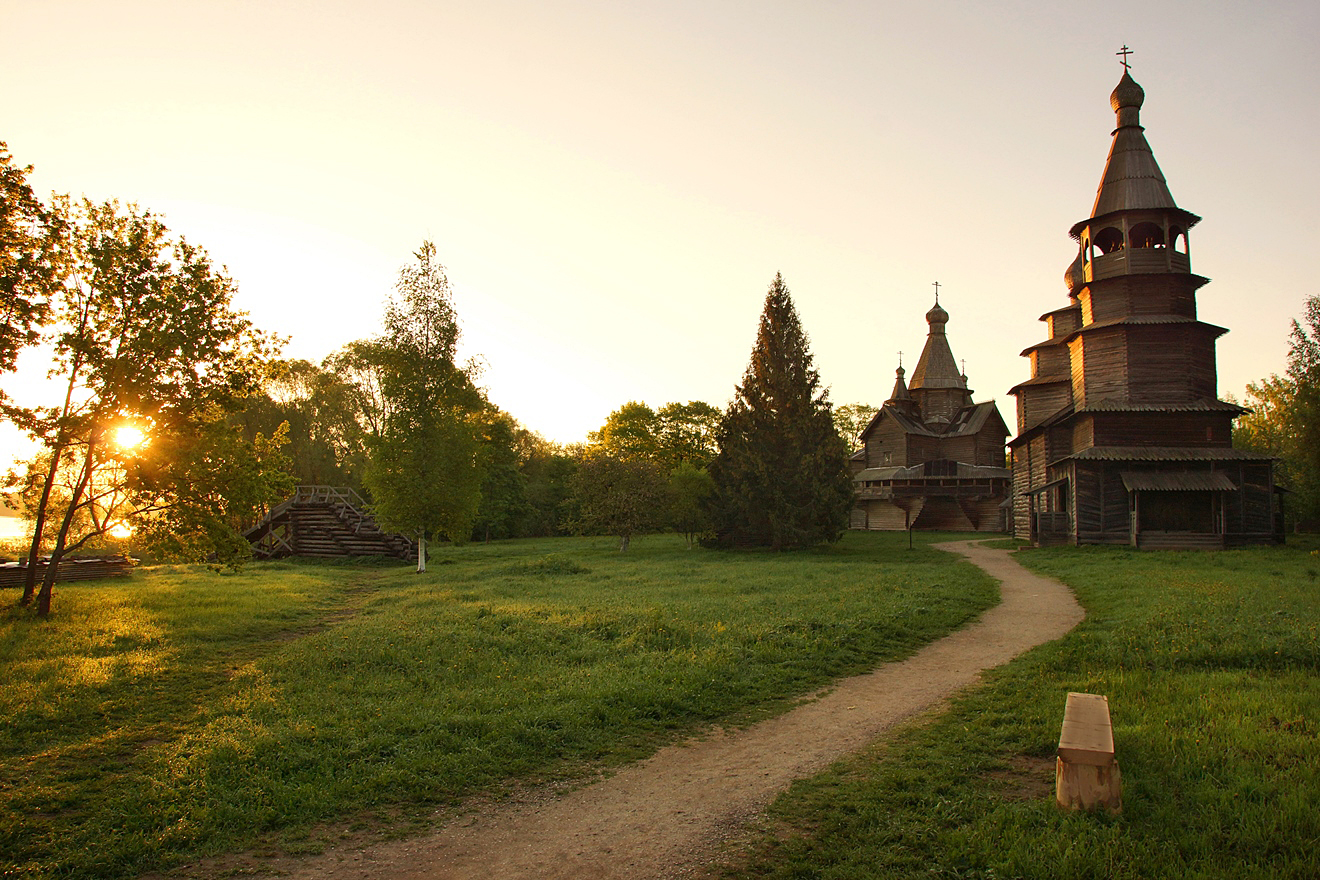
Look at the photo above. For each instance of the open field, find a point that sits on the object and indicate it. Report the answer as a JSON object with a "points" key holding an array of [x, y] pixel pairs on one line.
{"points": [[1210, 664], [183, 712]]}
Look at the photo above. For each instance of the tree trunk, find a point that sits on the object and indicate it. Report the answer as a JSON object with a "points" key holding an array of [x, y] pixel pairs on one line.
{"points": [[39, 526], [57, 452], [623, 543], [421, 554], [56, 552]]}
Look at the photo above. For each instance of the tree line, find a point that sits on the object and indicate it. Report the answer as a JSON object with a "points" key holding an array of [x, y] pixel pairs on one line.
{"points": [[177, 418], [1283, 420]]}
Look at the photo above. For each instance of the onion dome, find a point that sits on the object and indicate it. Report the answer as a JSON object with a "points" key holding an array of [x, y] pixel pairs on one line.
{"points": [[1075, 275], [1127, 94]]}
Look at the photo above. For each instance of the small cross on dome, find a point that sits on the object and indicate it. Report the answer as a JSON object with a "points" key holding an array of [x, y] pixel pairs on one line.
{"points": [[1125, 52]]}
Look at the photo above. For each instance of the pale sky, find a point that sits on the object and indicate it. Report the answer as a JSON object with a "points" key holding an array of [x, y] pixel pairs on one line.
{"points": [[613, 186]]}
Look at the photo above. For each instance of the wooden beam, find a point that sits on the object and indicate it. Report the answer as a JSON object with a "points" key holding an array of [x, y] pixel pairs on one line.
{"points": [[1086, 774]]}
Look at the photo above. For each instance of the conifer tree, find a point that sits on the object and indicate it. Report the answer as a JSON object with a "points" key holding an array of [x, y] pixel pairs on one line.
{"points": [[781, 476]]}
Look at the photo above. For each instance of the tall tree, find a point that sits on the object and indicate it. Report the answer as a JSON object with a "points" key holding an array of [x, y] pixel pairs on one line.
{"points": [[781, 476], [425, 471], [31, 237], [145, 334]]}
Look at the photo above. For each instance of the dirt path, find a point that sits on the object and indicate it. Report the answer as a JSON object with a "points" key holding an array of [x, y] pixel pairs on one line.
{"points": [[668, 815]]}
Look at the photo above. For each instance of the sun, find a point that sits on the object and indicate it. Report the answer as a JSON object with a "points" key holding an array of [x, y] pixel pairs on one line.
{"points": [[129, 437]]}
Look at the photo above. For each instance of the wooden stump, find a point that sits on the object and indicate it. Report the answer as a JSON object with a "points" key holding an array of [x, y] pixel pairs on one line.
{"points": [[1086, 775]]}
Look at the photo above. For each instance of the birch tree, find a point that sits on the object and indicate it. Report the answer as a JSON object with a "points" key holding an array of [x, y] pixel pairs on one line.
{"points": [[425, 470]]}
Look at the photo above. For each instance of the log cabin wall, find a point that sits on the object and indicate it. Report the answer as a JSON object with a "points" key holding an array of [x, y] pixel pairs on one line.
{"points": [[1171, 363], [1063, 321], [1036, 403], [1050, 359], [888, 439], [1191, 429], [1022, 478], [1100, 368], [1254, 517], [959, 449], [990, 448], [1083, 433], [1058, 442]]}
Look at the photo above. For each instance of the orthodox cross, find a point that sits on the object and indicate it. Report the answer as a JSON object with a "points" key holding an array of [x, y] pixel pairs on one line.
{"points": [[1125, 52], [937, 293], [900, 359]]}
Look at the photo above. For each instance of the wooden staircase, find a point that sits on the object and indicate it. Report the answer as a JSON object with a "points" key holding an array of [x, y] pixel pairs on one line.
{"points": [[324, 521]]}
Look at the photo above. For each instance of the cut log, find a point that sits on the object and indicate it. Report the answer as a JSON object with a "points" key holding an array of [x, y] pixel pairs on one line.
{"points": [[1086, 773]]}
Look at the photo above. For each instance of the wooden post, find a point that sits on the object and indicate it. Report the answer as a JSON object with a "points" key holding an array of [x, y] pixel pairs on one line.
{"points": [[1086, 775]]}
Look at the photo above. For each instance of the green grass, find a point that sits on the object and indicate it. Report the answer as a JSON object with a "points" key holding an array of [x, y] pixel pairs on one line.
{"points": [[184, 713], [1209, 661]]}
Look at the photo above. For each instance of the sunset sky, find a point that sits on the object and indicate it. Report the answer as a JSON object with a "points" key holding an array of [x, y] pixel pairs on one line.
{"points": [[613, 186]]}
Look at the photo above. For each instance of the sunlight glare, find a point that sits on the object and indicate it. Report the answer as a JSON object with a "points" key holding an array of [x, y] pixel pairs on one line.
{"points": [[129, 437]]}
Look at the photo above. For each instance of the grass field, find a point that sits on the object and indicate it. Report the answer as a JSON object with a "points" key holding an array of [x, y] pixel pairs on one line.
{"points": [[183, 713], [1210, 664]]}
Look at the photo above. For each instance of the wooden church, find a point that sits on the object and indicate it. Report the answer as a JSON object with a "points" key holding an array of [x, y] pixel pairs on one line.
{"points": [[1121, 436], [930, 458]]}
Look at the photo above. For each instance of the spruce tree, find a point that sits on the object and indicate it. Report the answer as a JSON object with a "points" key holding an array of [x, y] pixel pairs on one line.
{"points": [[781, 475]]}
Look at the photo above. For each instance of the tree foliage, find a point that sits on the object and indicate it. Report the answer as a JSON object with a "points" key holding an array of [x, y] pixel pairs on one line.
{"points": [[851, 420], [781, 476], [319, 409], [631, 431], [503, 504], [690, 490], [425, 469], [675, 433], [686, 433], [31, 239], [144, 333], [1285, 417], [618, 495], [548, 470]]}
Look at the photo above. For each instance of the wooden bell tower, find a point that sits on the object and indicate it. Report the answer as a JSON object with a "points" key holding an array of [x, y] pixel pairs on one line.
{"points": [[1121, 435]]}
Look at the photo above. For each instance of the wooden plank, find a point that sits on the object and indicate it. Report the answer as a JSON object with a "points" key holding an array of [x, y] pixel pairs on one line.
{"points": [[1087, 736]]}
